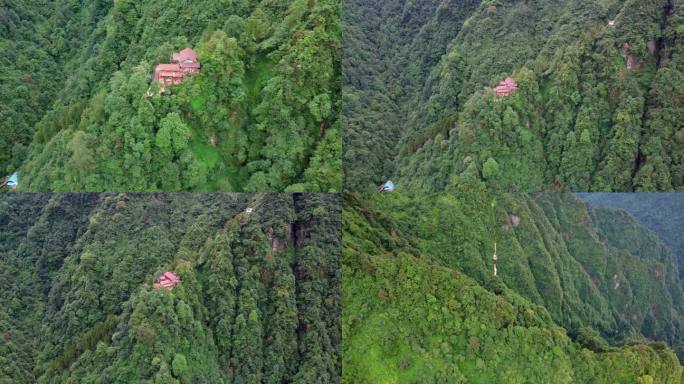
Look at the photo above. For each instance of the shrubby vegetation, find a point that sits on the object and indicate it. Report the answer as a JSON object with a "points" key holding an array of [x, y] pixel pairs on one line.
{"points": [[258, 301], [261, 116], [582, 295], [598, 107]]}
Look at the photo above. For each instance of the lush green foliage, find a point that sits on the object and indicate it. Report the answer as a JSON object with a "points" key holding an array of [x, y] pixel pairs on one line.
{"points": [[258, 301], [599, 105], [421, 303], [262, 115]]}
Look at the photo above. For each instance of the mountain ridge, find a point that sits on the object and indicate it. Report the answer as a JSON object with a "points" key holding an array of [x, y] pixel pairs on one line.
{"points": [[255, 302], [411, 317], [260, 116], [597, 107]]}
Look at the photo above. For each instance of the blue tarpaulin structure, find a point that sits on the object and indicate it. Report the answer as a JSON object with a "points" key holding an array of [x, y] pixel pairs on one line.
{"points": [[13, 180], [387, 187]]}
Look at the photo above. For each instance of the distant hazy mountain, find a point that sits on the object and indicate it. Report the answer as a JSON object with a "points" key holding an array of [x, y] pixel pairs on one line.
{"points": [[663, 213]]}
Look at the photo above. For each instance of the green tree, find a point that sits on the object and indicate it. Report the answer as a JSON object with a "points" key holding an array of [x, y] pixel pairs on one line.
{"points": [[490, 169], [180, 366], [173, 135]]}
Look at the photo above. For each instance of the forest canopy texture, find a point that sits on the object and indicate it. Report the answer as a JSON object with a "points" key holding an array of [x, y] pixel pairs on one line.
{"points": [[599, 105], [258, 301], [79, 110], [581, 295]]}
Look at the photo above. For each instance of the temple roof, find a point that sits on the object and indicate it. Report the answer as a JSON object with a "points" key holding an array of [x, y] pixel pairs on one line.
{"points": [[506, 87], [168, 67], [167, 280], [185, 54]]}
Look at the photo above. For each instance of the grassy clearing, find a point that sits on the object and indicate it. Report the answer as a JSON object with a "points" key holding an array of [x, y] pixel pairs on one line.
{"points": [[224, 170]]}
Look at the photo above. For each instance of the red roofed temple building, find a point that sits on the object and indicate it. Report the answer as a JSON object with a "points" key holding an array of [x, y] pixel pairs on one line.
{"points": [[183, 63], [167, 280], [506, 87]]}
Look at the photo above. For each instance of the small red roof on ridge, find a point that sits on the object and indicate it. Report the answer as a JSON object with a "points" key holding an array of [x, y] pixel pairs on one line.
{"points": [[194, 64], [171, 276], [168, 67], [167, 280], [506, 87], [185, 54]]}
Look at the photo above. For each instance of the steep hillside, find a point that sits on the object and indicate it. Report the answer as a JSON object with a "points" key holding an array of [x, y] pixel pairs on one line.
{"points": [[424, 268], [82, 113], [37, 41], [258, 299], [598, 105], [660, 212], [387, 47]]}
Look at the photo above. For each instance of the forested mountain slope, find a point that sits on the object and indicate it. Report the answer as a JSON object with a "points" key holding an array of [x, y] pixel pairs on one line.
{"points": [[261, 115], [387, 46], [421, 302], [258, 300], [598, 105], [660, 212]]}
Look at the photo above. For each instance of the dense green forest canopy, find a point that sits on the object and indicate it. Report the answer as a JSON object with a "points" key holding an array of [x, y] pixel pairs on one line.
{"points": [[581, 295], [261, 115], [598, 107], [660, 212], [258, 301]]}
